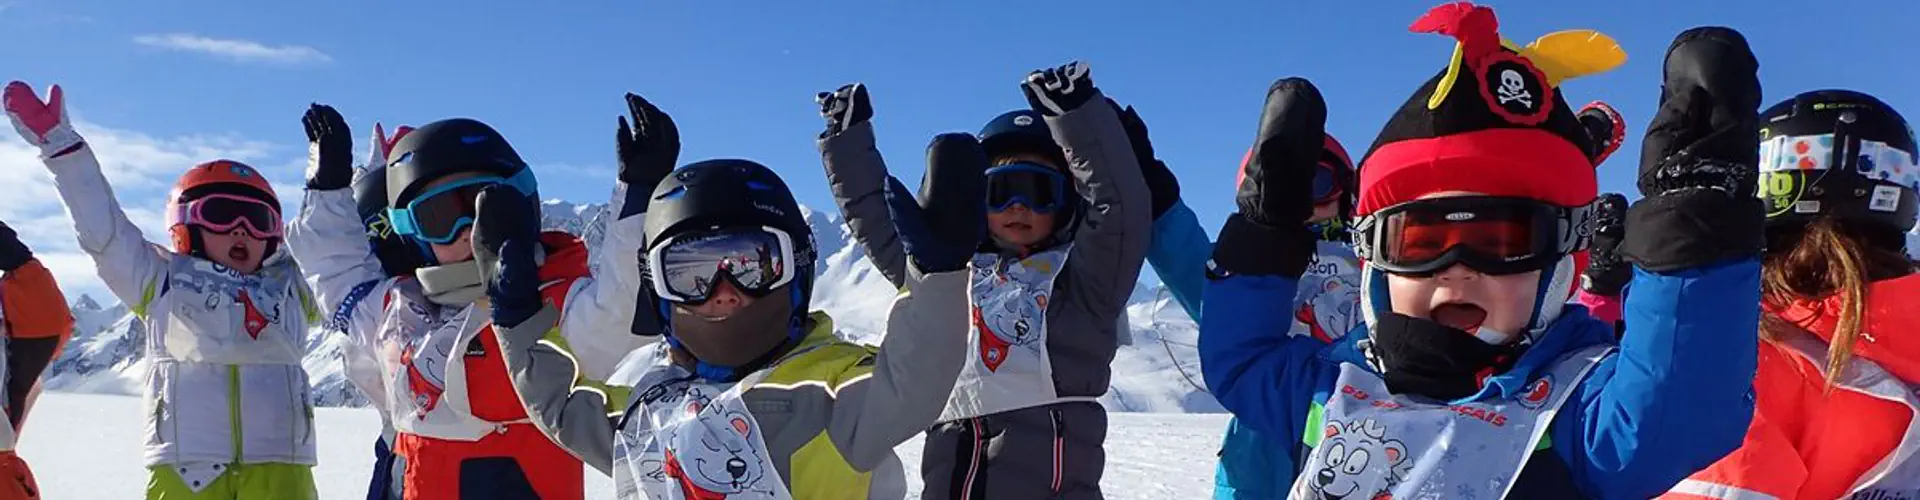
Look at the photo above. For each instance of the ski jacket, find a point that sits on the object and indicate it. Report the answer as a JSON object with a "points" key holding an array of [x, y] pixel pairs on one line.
{"points": [[820, 422], [1326, 307], [1862, 440], [1068, 357], [35, 325], [224, 380], [1669, 402], [452, 416]]}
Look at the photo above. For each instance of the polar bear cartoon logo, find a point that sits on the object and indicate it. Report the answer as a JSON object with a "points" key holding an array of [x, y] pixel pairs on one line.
{"points": [[712, 455], [1356, 460]]}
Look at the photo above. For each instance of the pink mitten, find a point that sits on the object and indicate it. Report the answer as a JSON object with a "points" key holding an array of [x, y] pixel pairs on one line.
{"points": [[42, 124]]}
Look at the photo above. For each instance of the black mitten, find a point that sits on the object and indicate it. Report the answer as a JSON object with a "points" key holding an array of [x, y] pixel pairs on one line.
{"points": [[1268, 235]]}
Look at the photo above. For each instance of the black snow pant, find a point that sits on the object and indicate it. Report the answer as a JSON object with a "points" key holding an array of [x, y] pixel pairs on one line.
{"points": [[1044, 452]]}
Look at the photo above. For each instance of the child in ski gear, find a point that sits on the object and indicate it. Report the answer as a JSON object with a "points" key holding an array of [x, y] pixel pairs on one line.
{"points": [[1049, 284], [397, 258], [226, 316], [34, 325], [460, 429], [1839, 364], [1473, 378], [1326, 306], [751, 395]]}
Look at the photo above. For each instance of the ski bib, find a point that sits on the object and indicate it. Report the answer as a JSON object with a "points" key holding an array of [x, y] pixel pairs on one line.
{"points": [[1374, 444], [682, 439], [214, 314], [7, 437], [1007, 365], [1327, 303], [421, 350], [1896, 476]]}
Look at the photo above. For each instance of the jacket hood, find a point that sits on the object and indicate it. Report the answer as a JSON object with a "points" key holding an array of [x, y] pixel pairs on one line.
{"points": [[1892, 327]]}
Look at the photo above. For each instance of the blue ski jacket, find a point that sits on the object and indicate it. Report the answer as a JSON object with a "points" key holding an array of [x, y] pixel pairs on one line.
{"points": [[1676, 397], [1251, 466]]}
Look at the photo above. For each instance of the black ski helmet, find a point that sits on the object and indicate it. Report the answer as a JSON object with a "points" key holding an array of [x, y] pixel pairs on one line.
{"points": [[397, 258], [447, 147], [732, 192], [1020, 131], [1804, 176]]}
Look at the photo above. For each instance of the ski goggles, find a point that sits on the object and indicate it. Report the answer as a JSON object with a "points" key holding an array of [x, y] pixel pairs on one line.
{"points": [[685, 268], [1326, 184], [437, 215], [221, 213], [1490, 234], [1037, 187]]}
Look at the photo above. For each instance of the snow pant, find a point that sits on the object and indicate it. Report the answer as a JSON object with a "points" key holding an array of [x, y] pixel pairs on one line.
{"points": [[16, 480], [1054, 451], [517, 463], [238, 482], [383, 486], [1252, 467]]}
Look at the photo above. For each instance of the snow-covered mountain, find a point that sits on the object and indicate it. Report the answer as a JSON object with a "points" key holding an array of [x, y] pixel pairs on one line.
{"points": [[106, 353]]}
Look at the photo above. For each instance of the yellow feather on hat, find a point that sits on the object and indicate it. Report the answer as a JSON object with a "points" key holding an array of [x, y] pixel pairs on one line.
{"points": [[1565, 55]]}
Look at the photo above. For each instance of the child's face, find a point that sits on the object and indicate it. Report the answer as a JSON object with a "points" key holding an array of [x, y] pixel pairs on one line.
{"points": [[1019, 225], [237, 249], [461, 249], [1466, 299], [725, 301]]}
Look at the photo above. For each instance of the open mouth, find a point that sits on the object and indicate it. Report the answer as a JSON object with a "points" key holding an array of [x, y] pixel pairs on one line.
{"points": [[1461, 315], [239, 253]]}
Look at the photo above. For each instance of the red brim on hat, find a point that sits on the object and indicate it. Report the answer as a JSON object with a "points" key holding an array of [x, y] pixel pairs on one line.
{"points": [[1518, 162]]}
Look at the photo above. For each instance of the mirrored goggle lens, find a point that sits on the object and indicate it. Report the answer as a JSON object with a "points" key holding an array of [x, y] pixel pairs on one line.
{"points": [[1493, 238], [1037, 187], [224, 213], [439, 216], [688, 268]]}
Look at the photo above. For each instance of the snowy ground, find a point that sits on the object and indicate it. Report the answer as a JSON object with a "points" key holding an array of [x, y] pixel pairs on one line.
{"points": [[87, 446]]}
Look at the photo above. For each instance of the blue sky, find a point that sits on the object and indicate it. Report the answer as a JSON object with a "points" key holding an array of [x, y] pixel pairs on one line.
{"points": [[162, 85]]}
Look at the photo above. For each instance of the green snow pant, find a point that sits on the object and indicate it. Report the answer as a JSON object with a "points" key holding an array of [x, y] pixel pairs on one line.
{"points": [[239, 482]]}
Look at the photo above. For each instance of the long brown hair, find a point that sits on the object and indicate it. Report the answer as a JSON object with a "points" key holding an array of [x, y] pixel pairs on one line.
{"points": [[1828, 258]]}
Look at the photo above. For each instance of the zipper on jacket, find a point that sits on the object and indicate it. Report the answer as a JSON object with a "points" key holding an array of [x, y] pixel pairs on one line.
{"points": [[233, 409]]}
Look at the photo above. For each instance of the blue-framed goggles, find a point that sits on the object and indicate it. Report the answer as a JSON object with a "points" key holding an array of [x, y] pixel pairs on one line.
{"points": [[437, 215], [1039, 188]]}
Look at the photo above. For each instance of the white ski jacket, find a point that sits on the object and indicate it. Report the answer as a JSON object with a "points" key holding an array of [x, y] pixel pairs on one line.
{"points": [[224, 380]]}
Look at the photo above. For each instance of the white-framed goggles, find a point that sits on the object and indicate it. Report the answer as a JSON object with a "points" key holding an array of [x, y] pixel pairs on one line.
{"points": [[686, 267]]}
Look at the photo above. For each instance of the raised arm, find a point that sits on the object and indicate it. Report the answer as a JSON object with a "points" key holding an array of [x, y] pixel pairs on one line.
{"points": [[1111, 241], [598, 323], [328, 238], [889, 398], [857, 175], [1678, 396], [129, 265], [506, 241]]}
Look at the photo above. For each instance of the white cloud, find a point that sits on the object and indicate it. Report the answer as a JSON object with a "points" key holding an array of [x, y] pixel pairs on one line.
{"points": [[237, 50]]}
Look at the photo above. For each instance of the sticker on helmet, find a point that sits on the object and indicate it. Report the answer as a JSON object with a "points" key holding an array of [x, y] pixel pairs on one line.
{"points": [[1885, 199]]}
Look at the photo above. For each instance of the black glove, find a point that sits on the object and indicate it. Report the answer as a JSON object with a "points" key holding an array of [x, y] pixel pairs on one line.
{"points": [[648, 151], [1697, 165], [329, 149], [1606, 129], [1268, 235], [506, 236], [1606, 274], [1055, 91], [845, 107], [941, 230], [13, 252], [1161, 183]]}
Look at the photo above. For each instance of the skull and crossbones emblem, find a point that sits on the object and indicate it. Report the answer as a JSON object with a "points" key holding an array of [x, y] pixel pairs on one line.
{"points": [[1513, 88]]}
